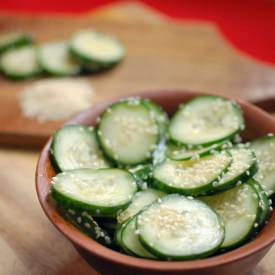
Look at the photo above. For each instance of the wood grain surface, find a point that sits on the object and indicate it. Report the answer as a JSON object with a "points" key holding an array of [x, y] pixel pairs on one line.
{"points": [[29, 244], [160, 55]]}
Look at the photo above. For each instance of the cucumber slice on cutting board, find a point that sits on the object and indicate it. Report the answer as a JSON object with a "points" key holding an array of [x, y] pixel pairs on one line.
{"points": [[55, 59], [20, 63], [13, 40], [96, 50]]}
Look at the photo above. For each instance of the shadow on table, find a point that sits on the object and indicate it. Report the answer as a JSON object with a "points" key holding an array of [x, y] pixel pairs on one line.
{"points": [[78, 266], [259, 270]]}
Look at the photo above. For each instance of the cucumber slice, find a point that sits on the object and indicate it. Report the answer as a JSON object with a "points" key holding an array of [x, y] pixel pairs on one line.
{"points": [[130, 241], [177, 152], [55, 59], [87, 224], [242, 168], [191, 177], [180, 228], [158, 114], [127, 132], [96, 50], [14, 40], [206, 120], [118, 235], [265, 204], [75, 147], [140, 200], [102, 192], [239, 209], [264, 149], [20, 63], [142, 173]]}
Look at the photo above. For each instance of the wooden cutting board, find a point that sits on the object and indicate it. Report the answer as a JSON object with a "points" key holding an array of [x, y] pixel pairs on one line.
{"points": [[161, 54], [29, 243]]}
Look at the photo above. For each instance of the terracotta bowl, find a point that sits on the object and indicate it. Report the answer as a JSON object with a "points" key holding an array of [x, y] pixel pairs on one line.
{"points": [[106, 261]]}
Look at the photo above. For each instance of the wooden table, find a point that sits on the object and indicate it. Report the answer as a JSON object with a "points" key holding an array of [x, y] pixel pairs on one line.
{"points": [[29, 244]]}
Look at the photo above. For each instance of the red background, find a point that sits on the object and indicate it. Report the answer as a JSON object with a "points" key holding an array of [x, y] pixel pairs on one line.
{"points": [[248, 24]]}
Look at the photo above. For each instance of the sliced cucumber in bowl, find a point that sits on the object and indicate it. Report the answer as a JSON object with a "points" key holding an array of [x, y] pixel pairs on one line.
{"points": [[239, 210], [180, 228], [165, 198], [140, 200], [75, 147], [265, 205], [177, 152], [127, 132], [130, 241], [158, 114], [264, 148], [205, 120], [87, 224], [102, 192], [191, 177], [242, 168], [142, 173]]}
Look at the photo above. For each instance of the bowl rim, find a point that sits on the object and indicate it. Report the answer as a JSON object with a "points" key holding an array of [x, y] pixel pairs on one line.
{"points": [[262, 241]]}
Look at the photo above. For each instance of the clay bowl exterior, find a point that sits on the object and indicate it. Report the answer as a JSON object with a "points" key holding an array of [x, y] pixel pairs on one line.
{"points": [[107, 261]]}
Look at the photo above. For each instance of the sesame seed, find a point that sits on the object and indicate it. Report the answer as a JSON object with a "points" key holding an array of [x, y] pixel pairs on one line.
{"points": [[71, 211], [87, 225]]}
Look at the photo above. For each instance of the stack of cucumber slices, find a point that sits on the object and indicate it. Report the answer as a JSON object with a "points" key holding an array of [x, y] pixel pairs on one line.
{"points": [[178, 189], [86, 51]]}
